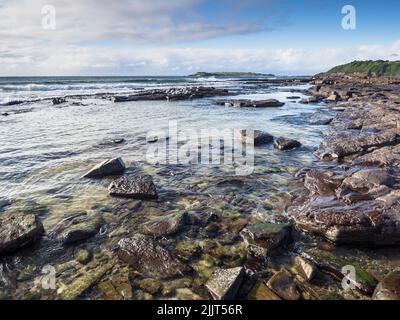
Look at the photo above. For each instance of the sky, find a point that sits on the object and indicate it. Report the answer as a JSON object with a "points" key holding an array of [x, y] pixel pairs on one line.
{"points": [[180, 37]]}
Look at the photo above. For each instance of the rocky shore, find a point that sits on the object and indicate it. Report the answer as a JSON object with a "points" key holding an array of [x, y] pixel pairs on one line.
{"points": [[204, 243]]}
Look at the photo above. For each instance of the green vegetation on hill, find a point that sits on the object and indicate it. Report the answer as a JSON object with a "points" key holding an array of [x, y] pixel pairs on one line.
{"points": [[229, 74], [379, 68]]}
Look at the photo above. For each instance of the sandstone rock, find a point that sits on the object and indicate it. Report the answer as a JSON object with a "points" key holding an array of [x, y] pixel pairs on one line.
{"points": [[149, 258], [333, 264], [224, 283], [139, 187], [18, 230], [164, 226], [389, 287], [283, 285], [260, 291], [286, 144], [305, 268], [262, 238], [107, 168]]}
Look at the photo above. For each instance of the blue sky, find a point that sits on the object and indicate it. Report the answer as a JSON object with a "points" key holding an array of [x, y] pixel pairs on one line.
{"points": [[174, 37]]}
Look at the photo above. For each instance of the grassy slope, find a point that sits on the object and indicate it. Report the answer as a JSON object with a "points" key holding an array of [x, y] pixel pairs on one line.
{"points": [[380, 67]]}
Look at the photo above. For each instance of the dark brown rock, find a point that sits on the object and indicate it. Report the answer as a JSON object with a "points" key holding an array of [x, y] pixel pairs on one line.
{"points": [[389, 287], [286, 144], [283, 285], [138, 187], [149, 258], [164, 226]]}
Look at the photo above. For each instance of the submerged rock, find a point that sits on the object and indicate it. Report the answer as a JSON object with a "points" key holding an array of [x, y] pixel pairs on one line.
{"points": [[148, 257], [224, 283], [108, 167], [286, 144], [262, 238], [260, 291], [283, 285], [333, 264], [389, 287], [139, 187], [164, 226], [79, 228], [18, 230]]}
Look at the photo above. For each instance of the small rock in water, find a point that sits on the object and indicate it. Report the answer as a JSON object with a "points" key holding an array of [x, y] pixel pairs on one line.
{"points": [[269, 103], [81, 228], [5, 114], [261, 238], [389, 287], [149, 258], [260, 291], [293, 97], [224, 283], [59, 100], [4, 203], [305, 268], [18, 230], [258, 137], [107, 168], [164, 226], [283, 285], [139, 187], [286, 144], [82, 256]]}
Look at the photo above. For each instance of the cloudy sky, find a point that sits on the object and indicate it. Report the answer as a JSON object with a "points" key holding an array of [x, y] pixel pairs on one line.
{"points": [[177, 37]]}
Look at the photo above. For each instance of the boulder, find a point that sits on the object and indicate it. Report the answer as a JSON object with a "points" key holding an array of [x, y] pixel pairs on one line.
{"points": [[18, 230], [283, 285], [256, 137], [262, 238], [225, 283], [286, 144], [389, 287], [164, 226], [108, 167], [149, 258], [138, 187]]}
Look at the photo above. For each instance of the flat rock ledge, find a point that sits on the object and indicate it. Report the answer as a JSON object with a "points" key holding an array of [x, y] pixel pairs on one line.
{"points": [[354, 198], [138, 187], [172, 94], [18, 230], [269, 103]]}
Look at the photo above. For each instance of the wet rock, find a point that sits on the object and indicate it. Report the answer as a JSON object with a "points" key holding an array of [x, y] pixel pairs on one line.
{"points": [[283, 285], [269, 103], [59, 100], [333, 98], [148, 257], [186, 294], [224, 283], [187, 249], [79, 228], [138, 187], [149, 285], [293, 97], [256, 137], [319, 119], [5, 114], [164, 226], [389, 287], [322, 182], [312, 99], [4, 203], [333, 264], [260, 291], [18, 230], [83, 256], [286, 144], [109, 292], [84, 282], [305, 268], [108, 167], [262, 238]]}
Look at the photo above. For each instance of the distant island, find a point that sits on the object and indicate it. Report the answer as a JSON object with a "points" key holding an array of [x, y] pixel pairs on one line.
{"points": [[370, 68], [231, 74]]}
